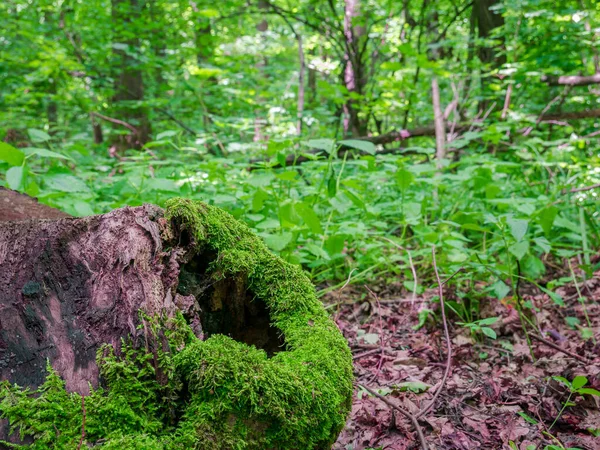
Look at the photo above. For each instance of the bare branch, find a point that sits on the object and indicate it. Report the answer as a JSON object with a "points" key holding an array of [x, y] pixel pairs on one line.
{"points": [[571, 80]]}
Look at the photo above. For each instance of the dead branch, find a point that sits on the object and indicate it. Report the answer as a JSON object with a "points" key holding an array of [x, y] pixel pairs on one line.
{"points": [[585, 188], [571, 80], [116, 121], [426, 131], [559, 348], [447, 335]]}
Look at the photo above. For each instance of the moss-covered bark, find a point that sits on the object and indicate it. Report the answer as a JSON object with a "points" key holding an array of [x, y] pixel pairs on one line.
{"points": [[217, 393]]}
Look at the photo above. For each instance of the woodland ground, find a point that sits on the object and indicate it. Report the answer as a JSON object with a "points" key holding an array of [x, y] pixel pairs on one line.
{"points": [[496, 395]]}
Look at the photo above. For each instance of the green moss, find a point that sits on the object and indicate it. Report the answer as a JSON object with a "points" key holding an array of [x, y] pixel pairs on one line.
{"points": [[218, 393]]}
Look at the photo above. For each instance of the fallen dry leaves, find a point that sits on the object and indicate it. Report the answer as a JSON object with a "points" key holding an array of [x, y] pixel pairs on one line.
{"points": [[496, 396]]}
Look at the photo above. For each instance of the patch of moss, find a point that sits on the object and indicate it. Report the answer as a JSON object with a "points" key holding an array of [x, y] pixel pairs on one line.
{"points": [[212, 394]]}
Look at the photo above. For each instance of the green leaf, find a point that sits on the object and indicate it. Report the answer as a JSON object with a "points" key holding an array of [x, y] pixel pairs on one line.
{"points": [[500, 289], [11, 155], [365, 146], [65, 183], [533, 267], [546, 218], [288, 175], [519, 249], [45, 153], [589, 391], [414, 386], [404, 179], [562, 380], [518, 227], [38, 135], [488, 321], [14, 177], [488, 332], [331, 185], [579, 381], [527, 418], [166, 134], [83, 209], [321, 144], [310, 217], [423, 315], [163, 185], [258, 200], [278, 242], [557, 299]]}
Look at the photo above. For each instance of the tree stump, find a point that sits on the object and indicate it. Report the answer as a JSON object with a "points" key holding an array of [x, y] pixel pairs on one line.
{"points": [[184, 308]]}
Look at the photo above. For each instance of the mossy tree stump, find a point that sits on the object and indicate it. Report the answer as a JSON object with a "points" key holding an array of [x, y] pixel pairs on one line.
{"points": [[177, 327]]}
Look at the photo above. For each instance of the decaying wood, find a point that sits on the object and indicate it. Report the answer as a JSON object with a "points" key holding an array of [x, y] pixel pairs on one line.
{"points": [[17, 206], [69, 285]]}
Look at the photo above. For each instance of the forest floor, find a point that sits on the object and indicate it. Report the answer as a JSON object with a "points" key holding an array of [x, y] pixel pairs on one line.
{"points": [[497, 396]]}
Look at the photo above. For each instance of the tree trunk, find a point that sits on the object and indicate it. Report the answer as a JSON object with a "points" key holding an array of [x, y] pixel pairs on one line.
{"points": [[440, 127], [488, 20], [354, 69], [70, 285], [128, 79]]}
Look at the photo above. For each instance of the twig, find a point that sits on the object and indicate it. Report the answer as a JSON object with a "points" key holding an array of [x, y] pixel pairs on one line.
{"points": [[447, 335], [117, 121], [176, 120], [363, 354], [585, 188], [559, 348], [404, 412], [507, 101], [82, 423]]}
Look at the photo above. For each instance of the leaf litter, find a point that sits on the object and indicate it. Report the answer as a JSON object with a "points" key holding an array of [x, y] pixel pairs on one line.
{"points": [[496, 396]]}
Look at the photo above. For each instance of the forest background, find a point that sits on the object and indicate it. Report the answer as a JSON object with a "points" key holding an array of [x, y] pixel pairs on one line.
{"points": [[352, 136]]}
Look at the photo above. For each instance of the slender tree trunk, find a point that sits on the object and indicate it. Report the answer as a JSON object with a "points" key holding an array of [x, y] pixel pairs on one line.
{"points": [[51, 105], [312, 81], [301, 71], [490, 55], [354, 70], [128, 79], [440, 127]]}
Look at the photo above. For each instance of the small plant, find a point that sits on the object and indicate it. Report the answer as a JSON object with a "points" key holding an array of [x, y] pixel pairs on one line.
{"points": [[576, 387], [479, 327]]}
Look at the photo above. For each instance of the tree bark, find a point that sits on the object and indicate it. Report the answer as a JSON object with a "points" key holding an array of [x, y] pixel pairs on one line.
{"points": [[354, 68], [68, 285], [488, 20], [301, 70], [128, 77]]}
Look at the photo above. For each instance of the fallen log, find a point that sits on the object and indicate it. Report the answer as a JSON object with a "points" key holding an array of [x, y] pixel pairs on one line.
{"points": [[401, 135], [571, 80], [151, 328], [17, 206]]}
